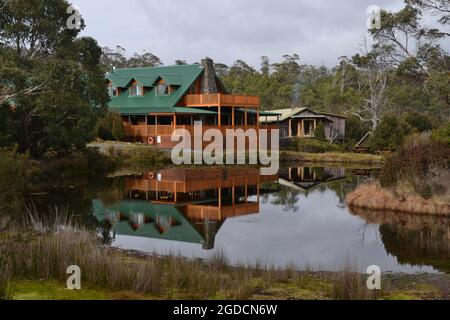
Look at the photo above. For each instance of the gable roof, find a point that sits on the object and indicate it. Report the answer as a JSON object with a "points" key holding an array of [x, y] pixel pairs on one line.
{"points": [[296, 113], [286, 114], [181, 76]]}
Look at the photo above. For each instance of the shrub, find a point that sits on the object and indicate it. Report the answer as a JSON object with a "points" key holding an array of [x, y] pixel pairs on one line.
{"points": [[110, 127], [355, 130], [319, 132], [418, 121], [390, 133], [4, 279], [418, 161], [316, 146], [14, 175], [442, 134]]}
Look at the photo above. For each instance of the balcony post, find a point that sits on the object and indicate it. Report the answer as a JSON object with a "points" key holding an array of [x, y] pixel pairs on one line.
{"points": [[146, 127], [257, 118], [233, 120], [246, 118], [219, 120]]}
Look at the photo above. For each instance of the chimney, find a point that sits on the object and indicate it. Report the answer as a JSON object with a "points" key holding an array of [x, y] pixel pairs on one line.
{"points": [[209, 84]]}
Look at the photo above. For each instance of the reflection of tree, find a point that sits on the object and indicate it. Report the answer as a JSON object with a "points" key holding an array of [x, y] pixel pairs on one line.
{"points": [[104, 231], [413, 239], [343, 188], [288, 198]]}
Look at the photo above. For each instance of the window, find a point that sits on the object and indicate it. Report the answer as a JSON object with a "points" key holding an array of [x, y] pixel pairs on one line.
{"points": [[135, 90], [162, 89], [112, 91]]}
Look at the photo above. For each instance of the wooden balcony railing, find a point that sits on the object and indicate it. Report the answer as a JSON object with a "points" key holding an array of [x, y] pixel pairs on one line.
{"points": [[210, 100], [216, 213], [167, 130]]}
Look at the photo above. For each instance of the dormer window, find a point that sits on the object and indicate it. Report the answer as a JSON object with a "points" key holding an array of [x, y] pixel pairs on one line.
{"points": [[135, 90], [162, 89], [112, 91]]}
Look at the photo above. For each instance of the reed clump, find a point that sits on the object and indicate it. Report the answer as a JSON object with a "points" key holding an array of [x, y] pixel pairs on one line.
{"points": [[372, 196]]}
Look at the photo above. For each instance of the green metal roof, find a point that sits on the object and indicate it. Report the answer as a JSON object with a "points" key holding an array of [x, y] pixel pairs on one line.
{"points": [[146, 81], [120, 82], [181, 230], [177, 110], [180, 76], [172, 79]]}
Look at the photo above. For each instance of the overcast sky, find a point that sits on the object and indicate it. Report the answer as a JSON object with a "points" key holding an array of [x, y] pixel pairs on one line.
{"points": [[320, 31]]}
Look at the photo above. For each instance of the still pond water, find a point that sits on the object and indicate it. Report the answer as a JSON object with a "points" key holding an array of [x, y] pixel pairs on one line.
{"points": [[297, 217]]}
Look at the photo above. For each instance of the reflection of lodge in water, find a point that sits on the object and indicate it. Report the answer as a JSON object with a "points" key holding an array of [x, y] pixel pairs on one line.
{"points": [[307, 178], [188, 205]]}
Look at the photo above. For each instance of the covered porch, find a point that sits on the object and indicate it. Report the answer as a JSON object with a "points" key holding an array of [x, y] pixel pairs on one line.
{"points": [[157, 127], [304, 126]]}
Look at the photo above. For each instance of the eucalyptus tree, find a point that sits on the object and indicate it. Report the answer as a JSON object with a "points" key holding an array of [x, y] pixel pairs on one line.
{"points": [[52, 78]]}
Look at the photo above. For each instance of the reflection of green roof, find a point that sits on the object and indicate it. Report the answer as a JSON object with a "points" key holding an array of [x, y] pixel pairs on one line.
{"points": [[182, 77], [182, 230]]}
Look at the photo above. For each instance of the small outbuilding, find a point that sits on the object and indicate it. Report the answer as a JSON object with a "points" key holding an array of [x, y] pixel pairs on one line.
{"points": [[302, 122]]}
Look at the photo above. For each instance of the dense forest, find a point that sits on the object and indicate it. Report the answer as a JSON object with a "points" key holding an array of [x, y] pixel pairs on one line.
{"points": [[52, 92]]}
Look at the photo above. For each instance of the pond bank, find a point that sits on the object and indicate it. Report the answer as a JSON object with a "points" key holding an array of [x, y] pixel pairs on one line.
{"points": [[331, 157], [372, 196]]}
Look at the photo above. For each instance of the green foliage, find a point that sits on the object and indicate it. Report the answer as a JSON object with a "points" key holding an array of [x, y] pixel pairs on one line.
{"points": [[393, 130], [390, 133], [56, 79], [319, 132], [315, 146], [419, 122], [5, 293], [355, 129], [110, 127], [36, 27], [442, 134], [418, 160], [117, 58], [14, 175]]}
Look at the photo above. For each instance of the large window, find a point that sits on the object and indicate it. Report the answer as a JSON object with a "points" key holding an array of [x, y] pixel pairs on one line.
{"points": [[135, 90]]}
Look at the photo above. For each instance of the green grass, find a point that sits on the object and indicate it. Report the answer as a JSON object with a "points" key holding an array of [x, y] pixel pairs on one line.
{"points": [[132, 154], [331, 157], [52, 290]]}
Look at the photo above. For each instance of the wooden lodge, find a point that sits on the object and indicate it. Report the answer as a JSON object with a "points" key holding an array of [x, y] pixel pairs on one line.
{"points": [[302, 123], [154, 102]]}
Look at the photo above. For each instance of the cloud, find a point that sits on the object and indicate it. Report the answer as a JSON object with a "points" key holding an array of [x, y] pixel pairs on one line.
{"points": [[319, 31]]}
